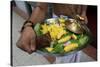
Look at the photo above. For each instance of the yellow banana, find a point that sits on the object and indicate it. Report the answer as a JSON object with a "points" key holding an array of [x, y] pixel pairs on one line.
{"points": [[49, 49], [74, 36], [70, 47], [64, 39]]}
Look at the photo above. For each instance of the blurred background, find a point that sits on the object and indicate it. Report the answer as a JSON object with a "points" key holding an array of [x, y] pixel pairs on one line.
{"points": [[21, 10]]}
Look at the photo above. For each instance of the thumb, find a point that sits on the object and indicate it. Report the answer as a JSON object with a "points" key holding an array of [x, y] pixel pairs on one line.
{"points": [[33, 44]]}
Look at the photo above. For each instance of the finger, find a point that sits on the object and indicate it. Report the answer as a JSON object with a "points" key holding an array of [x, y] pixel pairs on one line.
{"points": [[33, 45], [51, 59], [23, 47]]}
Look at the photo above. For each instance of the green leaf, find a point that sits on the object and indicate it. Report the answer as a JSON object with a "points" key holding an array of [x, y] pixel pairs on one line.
{"points": [[58, 48], [74, 41], [83, 40], [37, 29]]}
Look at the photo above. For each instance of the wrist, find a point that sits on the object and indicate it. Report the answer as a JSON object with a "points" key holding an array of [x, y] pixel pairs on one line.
{"points": [[28, 28], [80, 17], [27, 24]]}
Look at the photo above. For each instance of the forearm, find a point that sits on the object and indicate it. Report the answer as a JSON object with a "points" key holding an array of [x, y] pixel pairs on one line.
{"points": [[39, 13], [84, 9], [83, 14]]}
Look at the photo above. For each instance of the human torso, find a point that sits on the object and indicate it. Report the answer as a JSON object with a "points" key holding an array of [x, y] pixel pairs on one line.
{"points": [[66, 9]]}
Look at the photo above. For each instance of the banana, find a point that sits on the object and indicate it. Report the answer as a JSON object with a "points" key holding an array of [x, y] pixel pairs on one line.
{"points": [[70, 47], [49, 49], [64, 39]]}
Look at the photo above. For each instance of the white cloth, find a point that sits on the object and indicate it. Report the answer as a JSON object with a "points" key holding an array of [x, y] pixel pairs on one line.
{"points": [[69, 58]]}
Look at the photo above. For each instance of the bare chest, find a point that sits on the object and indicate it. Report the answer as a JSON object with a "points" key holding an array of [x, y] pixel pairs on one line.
{"points": [[64, 9]]}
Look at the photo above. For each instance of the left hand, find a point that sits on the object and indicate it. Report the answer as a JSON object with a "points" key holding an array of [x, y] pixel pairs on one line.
{"points": [[83, 19]]}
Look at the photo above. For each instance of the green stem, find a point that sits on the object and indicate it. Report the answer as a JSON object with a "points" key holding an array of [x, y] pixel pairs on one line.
{"points": [[51, 44]]}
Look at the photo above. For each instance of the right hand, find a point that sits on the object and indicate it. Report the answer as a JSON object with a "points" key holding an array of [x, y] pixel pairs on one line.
{"points": [[26, 41]]}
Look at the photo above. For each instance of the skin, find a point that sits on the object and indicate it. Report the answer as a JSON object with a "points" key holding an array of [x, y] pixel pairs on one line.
{"points": [[27, 42]]}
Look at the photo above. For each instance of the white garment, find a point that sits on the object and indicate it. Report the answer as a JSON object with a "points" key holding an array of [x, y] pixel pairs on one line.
{"points": [[69, 58]]}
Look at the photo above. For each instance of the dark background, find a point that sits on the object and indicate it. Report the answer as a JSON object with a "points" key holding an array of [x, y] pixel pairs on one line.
{"points": [[92, 23]]}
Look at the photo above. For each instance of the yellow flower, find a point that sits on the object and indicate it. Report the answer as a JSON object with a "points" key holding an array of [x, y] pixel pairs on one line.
{"points": [[62, 24], [61, 20], [44, 28], [56, 31], [61, 33]]}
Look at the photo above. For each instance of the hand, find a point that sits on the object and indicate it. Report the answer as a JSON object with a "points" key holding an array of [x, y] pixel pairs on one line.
{"points": [[85, 21], [83, 18], [51, 59], [26, 41]]}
